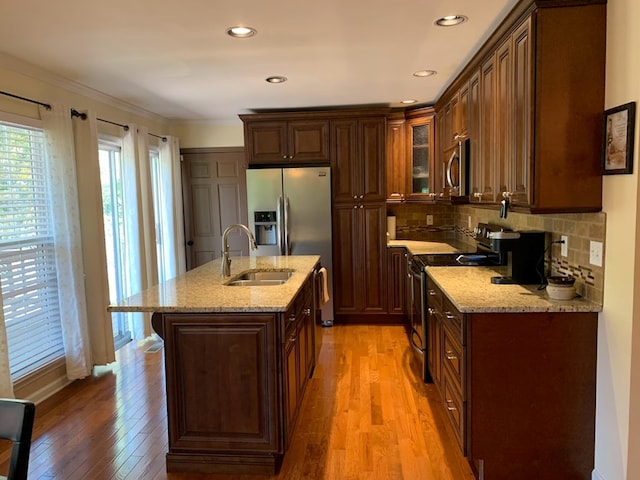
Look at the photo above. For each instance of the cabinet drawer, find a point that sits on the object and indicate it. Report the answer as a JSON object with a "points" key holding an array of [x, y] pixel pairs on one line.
{"points": [[452, 318], [453, 360], [434, 295], [455, 407]]}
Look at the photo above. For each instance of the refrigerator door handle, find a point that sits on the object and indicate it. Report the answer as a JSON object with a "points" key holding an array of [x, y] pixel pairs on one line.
{"points": [[279, 226], [287, 245]]}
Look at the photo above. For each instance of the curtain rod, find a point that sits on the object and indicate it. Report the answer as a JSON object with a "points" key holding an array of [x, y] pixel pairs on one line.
{"points": [[83, 116], [45, 105]]}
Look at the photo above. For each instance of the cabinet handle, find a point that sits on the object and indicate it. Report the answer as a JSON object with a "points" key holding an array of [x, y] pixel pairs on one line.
{"points": [[292, 338], [292, 318], [450, 316], [431, 311], [449, 407], [451, 355], [431, 292], [307, 312]]}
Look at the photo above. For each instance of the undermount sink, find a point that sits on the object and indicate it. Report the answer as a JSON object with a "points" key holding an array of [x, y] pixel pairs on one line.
{"points": [[256, 278]]}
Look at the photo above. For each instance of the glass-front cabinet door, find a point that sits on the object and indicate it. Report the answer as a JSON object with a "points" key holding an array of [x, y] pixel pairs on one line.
{"points": [[420, 157]]}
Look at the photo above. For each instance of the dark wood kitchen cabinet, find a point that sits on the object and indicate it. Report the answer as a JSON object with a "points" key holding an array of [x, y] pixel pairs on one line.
{"points": [[396, 157], [298, 356], [359, 218], [234, 385], [281, 141], [538, 129], [411, 169], [359, 261], [397, 283], [357, 159], [510, 381]]}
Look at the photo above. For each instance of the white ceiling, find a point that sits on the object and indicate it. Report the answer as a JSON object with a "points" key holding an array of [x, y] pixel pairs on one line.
{"points": [[174, 58]]}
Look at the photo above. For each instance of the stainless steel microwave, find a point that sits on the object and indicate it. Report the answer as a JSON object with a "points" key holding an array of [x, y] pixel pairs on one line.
{"points": [[458, 169]]}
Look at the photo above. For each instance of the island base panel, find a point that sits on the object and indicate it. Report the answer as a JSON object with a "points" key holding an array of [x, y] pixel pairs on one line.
{"points": [[227, 464]]}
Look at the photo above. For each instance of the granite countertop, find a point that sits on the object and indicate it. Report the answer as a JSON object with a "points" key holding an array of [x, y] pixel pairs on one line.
{"points": [[202, 289], [417, 247], [471, 291]]}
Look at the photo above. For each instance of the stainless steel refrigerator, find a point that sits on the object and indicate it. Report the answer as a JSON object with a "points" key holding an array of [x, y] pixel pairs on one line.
{"points": [[290, 214]]}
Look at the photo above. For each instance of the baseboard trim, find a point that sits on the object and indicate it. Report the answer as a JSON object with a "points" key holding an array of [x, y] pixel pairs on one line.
{"points": [[595, 475]]}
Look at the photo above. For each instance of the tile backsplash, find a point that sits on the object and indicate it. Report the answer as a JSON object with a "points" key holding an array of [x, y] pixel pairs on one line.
{"points": [[452, 222]]}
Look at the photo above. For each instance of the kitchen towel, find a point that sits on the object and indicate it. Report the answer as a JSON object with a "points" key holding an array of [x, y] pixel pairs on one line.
{"points": [[324, 291], [391, 227]]}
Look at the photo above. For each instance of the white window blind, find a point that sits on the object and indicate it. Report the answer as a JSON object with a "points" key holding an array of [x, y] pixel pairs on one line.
{"points": [[27, 252]]}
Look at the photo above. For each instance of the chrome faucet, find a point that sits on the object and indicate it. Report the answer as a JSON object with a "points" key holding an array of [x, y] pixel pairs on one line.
{"points": [[226, 261]]}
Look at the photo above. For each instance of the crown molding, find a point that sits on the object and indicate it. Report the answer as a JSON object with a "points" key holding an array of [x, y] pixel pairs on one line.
{"points": [[25, 68]]}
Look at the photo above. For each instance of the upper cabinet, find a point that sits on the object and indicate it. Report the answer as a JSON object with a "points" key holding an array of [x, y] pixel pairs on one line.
{"points": [[531, 103], [282, 141], [411, 168], [358, 148]]}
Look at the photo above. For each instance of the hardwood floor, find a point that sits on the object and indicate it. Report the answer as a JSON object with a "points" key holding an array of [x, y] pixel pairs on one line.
{"points": [[366, 415]]}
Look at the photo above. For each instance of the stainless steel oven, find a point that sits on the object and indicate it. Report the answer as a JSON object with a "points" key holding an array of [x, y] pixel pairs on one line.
{"points": [[418, 311], [417, 296]]}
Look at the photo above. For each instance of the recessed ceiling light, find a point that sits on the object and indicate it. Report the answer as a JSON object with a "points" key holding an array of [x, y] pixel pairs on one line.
{"points": [[241, 32], [451, 20], [276, 79], [424, 73], [409, 102]]}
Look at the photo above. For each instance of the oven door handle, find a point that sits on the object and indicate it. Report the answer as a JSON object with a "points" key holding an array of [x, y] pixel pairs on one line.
{"points": [[416, 347]]}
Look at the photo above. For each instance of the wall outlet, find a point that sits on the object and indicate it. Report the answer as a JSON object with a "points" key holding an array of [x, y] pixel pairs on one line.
{"points": [[595, 253], [429, 219], [564, 247]]}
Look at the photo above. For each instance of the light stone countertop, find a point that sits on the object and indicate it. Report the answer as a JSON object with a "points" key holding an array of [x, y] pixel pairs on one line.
{"points": [[417, 247], [471, 291], [202, 289]]}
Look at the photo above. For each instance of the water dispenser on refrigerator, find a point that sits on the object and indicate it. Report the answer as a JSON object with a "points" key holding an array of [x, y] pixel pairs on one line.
{"points": [[266, 228]]}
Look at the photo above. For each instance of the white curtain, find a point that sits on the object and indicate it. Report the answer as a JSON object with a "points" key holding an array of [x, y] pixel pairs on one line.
{"points": [[172, 216], [6, 385], [93, 245], [63, 199], [139, 221]]}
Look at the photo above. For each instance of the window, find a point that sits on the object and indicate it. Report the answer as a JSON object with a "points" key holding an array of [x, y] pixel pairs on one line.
{"points": [[159, 204], [114, 228], [27, 252]]}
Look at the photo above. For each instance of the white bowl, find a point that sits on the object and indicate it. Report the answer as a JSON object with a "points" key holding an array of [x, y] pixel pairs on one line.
{"points": [[561, 292]]}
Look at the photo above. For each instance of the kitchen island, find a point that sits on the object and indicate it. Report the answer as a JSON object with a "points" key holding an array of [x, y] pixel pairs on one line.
{"points": [[237, 361]]}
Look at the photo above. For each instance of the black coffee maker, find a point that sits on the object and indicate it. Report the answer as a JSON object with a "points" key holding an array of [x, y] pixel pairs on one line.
{"points": [[522, 253]]}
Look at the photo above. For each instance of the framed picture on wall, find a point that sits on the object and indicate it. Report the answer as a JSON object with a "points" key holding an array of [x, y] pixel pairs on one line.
{"points": [[619, 127]]}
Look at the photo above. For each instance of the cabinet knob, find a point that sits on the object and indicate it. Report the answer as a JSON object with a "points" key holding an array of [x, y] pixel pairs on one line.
{"points": [[284, 157], [355, 206], [307, 312], [355, 197], [431, 311], [361, 206], [361, 196]]}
